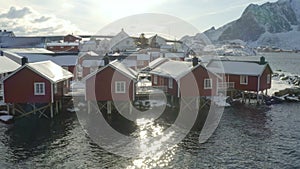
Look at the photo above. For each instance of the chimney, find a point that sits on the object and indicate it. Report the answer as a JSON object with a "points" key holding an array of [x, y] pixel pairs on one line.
{"points": [[1, 53], [262, 60], [195, 61], [24, 60], [106, 59]]}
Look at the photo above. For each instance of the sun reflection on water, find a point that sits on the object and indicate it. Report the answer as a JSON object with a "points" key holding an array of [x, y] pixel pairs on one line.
{"points": [[148, 129]]}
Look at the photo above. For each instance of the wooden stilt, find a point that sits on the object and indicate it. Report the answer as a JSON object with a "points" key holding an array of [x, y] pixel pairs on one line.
{"points": [[108, 107], [34, 108], [249, 97], [13, 109], [243, 97], [7, 108], [51, 110], [60, 104], [130, 108], [257, 97], [56, 105], [89, 106]]}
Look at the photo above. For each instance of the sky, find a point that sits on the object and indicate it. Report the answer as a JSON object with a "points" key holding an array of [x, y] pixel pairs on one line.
{"points": [[53, 17]]}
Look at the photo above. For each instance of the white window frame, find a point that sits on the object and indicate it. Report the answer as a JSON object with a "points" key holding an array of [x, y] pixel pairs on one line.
{"points": [[155, 79], [39, 88], [170, 83], [206, 82], [120, 89], [243, 79], [269, 79]]}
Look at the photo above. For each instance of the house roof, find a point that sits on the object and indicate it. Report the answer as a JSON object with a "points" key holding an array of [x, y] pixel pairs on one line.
{"points": [[237, 67], [28, 50], [157, 62], [174, 69], [7, 65], [89, 53], [119, 66], [127, 71], [48, 70]]}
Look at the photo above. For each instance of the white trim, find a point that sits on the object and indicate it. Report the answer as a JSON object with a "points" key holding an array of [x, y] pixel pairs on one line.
{"points": [[244, 81], [122, 87], [39, 88], [170, 83], [205, 83]]}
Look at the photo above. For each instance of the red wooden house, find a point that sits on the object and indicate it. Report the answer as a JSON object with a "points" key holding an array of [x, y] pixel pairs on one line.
{"points": [[39, 82], [113, 82], [87, 63], [72, 38], [243, 75], [180, 78]]}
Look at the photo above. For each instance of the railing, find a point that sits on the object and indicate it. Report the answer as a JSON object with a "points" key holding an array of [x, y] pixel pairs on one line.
{"points": [[226, 85]]}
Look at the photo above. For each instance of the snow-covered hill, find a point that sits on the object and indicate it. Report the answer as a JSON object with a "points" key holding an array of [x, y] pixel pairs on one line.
{"points": [[271, 24]]}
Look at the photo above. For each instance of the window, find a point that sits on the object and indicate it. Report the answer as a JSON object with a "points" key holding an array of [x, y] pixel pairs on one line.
{"points": [[244, 79], [120, 87], [170, 83], [207, 83], [268, 79], [39, 88], [155, 79]]}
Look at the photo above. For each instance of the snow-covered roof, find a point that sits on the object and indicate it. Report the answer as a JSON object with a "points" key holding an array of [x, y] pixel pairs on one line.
{"points": [[236, 67], [65, 60], [47, 69], [174, 69], [92, 63], [89, 53], [127, 71], [119, 66], [62, 44], [7, 65], [28, 50], [50, 70], [157, 62]]}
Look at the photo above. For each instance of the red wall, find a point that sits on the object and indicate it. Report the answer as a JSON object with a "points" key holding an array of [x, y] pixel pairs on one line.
{"points": [[19, 88], [189, 83], [251, 86], [196, 79], [102, 86], [263, 79], [252, 81]]}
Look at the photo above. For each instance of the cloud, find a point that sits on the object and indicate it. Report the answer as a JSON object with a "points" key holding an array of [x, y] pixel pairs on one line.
{"points": [[41, 19], [16, 13], [26, 21]]}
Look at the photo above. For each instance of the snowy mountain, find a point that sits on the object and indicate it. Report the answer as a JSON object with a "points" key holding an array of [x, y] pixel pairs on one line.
{"points": [[271, 24]]}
